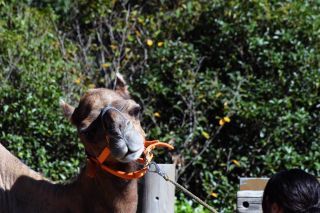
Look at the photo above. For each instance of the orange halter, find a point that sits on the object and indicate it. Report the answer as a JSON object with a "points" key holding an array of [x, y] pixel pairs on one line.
{"points": [[97, 162]]}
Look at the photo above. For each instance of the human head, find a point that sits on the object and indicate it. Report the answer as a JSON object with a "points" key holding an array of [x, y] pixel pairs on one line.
{"points": [[292, 191]]}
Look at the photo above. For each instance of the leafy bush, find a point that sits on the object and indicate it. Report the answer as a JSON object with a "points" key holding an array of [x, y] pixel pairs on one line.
{"points": [[233, 85], [35, 76]]}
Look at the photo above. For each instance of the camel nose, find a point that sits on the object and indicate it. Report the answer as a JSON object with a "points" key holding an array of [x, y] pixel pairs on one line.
{"points": [[134, 141], [113, 121]]}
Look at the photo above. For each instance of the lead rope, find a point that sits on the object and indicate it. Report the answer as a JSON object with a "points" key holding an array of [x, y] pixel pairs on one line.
{"points": [[180, 187]]}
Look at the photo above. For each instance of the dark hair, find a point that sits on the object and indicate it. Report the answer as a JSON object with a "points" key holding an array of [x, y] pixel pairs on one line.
{"points": [[295, 191]]}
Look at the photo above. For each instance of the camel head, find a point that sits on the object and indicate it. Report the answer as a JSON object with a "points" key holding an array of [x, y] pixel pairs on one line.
{"points": [[106, 117]]}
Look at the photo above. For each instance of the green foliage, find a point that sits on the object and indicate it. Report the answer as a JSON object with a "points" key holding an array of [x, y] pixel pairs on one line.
{"points": [[185, 206], [34, 77], [191, 65]]}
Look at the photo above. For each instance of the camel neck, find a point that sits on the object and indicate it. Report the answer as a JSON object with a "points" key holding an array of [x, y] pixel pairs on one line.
{"points": [[107, 193]]}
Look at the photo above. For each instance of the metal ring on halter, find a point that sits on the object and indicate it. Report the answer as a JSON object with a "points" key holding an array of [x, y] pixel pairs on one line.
{"points": [[156, 169]]}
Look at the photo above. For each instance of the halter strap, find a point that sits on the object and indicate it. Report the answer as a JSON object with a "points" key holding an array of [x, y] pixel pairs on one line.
{"points": [[104, 110], [95, 163]]}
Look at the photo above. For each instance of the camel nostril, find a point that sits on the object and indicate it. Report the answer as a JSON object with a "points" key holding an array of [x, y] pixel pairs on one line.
{"points": [[128, 124]]}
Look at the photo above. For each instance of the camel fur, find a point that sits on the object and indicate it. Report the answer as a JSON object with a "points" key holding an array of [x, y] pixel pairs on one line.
{"points": [[23, 190]]}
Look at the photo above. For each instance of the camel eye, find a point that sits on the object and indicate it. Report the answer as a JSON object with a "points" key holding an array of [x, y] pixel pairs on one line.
{"points": [[135, 112]]}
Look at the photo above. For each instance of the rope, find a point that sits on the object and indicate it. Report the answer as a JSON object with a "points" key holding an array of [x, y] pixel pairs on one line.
{"points": [[180, 187]]}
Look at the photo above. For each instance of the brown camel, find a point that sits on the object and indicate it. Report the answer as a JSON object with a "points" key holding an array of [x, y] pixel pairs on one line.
{"points": [[118, 128]]}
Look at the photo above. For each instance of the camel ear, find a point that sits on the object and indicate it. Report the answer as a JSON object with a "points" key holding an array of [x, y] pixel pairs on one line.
{"points": [[67, 109], [120, 85]]}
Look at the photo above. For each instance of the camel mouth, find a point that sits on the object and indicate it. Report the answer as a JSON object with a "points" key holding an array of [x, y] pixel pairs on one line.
{"points": [[131, 156], [128, 147]]}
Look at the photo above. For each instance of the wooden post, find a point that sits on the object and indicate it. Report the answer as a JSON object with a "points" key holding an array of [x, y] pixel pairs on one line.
{"points": [[156, 194], [249, 201], [249, 198]]}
